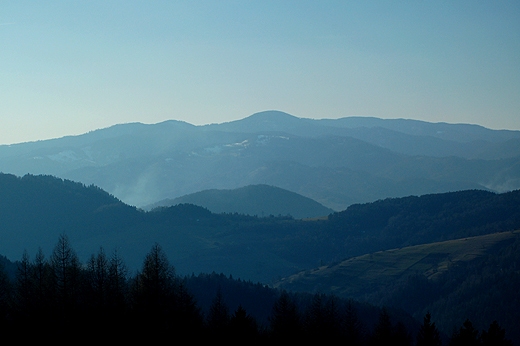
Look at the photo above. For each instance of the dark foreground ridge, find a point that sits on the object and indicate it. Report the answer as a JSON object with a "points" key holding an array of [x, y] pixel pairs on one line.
{"points": [[37, 210], [60, 298]]}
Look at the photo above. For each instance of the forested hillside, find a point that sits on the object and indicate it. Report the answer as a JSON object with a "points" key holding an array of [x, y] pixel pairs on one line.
{"points": [[37, 210], [100, 300], [471, 278]]}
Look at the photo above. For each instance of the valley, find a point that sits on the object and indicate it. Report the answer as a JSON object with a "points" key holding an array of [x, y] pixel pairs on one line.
{"points": [[415, 216]]}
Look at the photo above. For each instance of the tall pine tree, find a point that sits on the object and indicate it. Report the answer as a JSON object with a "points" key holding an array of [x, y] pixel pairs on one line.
{"points": [[495, 336], [428, 333], [285, 319]]}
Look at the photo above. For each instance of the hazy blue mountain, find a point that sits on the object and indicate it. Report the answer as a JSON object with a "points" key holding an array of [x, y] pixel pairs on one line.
{"points": [[334, 162], [406, 136], [260, 200], [452, 132]]}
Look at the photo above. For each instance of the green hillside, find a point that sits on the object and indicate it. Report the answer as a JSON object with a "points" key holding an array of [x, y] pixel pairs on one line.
{"points": [[261, 200], [361, 276], [474, 278]]}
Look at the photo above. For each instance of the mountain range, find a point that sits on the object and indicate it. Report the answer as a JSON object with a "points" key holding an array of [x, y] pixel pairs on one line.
{"points": [[334, 162], [415, 215]]}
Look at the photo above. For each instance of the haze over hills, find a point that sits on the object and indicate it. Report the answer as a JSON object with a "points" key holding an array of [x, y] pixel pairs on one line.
{"points": [[334, 162], [356, 166], [36, 210], [259, 200]]}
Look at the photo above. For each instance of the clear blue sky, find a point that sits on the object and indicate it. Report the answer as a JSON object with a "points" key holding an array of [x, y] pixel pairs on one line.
{"points": [[67, 67]]}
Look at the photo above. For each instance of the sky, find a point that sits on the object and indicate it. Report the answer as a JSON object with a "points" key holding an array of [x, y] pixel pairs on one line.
{"points": [[69, 67]]}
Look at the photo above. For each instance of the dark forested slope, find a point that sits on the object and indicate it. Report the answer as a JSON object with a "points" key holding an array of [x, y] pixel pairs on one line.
{"points": [[35, 210], [399, 222]]}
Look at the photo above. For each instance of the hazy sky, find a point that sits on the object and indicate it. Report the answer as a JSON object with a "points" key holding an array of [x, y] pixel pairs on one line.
{"points": [[67, 67]]}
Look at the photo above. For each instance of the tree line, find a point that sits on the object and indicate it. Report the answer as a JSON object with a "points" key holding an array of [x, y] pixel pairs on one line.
{"points": [[61, 299]]}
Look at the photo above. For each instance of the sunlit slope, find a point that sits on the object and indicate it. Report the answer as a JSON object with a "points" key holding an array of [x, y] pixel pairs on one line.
{"points": [[364, 274]]}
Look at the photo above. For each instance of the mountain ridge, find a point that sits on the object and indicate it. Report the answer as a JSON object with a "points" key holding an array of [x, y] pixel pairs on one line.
{"points": [[336, 162], [260, 200]]}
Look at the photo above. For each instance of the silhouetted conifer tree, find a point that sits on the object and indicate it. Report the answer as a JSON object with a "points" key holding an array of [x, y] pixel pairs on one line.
{"points": [[285, 319], [5, 292], [96, 313], [495, 336], [467, 335], [353, 329], [314, 318], [428, 333], [32, 301], [242, 327], [321, 319], [383, 330], [24, 297], [188, 318], [117, 283], [153, 293], [218, 317], [97, 280], [401, 336], [43, 280], [66, 273]]}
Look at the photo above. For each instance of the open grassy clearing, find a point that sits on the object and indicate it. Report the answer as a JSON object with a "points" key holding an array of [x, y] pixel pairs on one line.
{"points": [[363, 274]]}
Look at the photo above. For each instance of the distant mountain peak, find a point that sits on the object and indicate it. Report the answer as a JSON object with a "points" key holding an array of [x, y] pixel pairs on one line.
{"points": [[335, 162], [271, 115], [271, 120]]}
